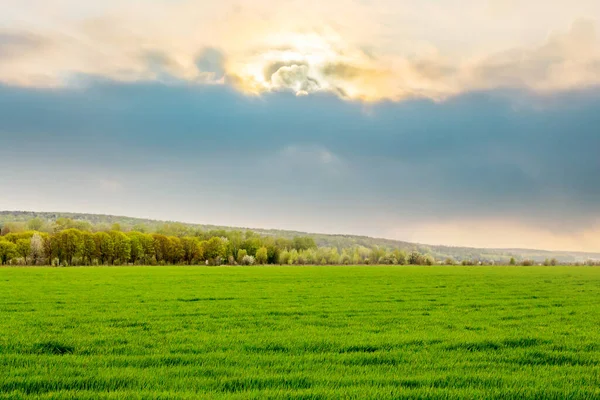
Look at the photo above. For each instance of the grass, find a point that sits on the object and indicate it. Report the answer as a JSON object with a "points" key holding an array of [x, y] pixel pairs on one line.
{"points": [[300, 332]]}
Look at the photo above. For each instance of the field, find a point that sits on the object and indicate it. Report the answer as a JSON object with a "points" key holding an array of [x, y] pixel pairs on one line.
{"points": [[300, 332]]}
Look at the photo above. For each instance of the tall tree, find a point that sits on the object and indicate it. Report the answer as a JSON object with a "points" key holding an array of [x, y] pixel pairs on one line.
{"points": [[8, 251], [137, 247], [161, 246], [176, 251], [24, 248], [191, 249], [70, 243], [88, 249], [49, 244], [121, 247], [215, 249], [304, 243], [104, 247]]}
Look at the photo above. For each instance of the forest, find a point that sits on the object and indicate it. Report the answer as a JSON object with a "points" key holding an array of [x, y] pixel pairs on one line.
{"points": [[69, 242]]}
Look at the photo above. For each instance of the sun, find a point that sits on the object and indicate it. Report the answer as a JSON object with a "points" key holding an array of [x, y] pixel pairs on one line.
{"points": [[288, 61], [310, 62]]}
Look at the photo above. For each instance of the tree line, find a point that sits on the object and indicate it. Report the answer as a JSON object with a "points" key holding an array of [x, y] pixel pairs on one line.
{"points": [[66, 245], [67, 242]]}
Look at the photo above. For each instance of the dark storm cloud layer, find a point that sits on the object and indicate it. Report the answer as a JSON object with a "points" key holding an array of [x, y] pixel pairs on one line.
{"points": [[489, 154]]}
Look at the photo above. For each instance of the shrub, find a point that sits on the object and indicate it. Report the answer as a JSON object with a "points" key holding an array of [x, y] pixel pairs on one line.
{"points": [[262, 255], [240, 255], [248, 260]]}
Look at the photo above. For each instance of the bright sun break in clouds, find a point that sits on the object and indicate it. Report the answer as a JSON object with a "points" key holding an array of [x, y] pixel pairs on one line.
{"points": [[386, 49]]}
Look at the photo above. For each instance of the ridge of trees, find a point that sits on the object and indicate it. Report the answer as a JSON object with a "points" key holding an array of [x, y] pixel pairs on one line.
{"points": [[68, 241]]}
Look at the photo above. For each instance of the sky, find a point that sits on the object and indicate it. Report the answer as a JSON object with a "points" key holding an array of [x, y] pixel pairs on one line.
{"points": [[465, 123]]}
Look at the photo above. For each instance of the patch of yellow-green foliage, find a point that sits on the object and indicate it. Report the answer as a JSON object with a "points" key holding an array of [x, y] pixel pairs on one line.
{"points": [[300, 332]]}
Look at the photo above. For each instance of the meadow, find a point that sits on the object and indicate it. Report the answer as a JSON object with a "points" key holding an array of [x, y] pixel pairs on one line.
{"points": [[300, 332]]}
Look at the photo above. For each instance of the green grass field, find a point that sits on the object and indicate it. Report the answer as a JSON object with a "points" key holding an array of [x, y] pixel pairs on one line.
{"points": [[300, 332]]}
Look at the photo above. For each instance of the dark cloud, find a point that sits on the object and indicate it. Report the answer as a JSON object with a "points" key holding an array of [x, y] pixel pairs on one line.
{"points": [[512, 154]]}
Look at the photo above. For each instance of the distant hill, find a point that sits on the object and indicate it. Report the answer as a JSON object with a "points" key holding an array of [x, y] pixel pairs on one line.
{"points": [[100, 221]]}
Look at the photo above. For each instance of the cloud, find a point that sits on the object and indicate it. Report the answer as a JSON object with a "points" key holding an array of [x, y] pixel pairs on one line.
{"points": [[12, 44], [212, 61], [564, 61], [110, 97], [484, 157], [294, 77], [370, 51]]}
